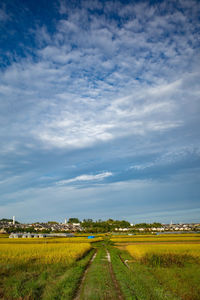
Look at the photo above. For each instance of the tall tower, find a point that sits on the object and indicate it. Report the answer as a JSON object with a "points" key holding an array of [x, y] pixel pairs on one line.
{"points": [[65, 220], [13, 220]]}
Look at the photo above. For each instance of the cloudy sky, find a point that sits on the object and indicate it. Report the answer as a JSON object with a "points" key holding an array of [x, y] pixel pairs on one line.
{"points": [[99, 110]]}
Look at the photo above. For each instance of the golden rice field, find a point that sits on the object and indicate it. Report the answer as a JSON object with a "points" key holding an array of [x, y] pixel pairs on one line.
{"points": [[173, 267], [52, 268], [42, 253], [157, 238], [50, 240], [32, 268], [121, 236], [139, 251]]}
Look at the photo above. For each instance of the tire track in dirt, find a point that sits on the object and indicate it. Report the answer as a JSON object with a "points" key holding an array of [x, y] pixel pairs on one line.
{"points": [[115, 282], [125, 262]]}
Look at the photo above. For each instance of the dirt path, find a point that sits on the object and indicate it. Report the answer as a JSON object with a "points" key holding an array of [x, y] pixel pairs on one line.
{"points": [[115, 282], [98, 280], [77, 297]]}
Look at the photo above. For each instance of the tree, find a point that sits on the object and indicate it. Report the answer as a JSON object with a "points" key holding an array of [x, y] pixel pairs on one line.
{"points": [[74, 220], [53, 222]]}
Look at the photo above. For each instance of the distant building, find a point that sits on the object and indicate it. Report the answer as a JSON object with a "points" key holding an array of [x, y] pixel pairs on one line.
{"points": [[35, 235]]}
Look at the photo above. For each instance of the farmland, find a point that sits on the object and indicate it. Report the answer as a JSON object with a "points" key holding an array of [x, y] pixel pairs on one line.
{"points": [[29, 268], [163, 267], [77, 240], [106, 267], [157, 238]]}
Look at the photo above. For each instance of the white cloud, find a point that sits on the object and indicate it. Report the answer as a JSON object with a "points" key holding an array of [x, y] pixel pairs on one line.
{"points": [[94, 81], [139, 197], [171, 156], [142, 166], [86, 177]]}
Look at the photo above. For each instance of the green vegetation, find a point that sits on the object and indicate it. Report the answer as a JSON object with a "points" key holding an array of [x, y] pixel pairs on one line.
{"points": [[60, 269], [98, 283], [29, 270], [65, 285], [148, 225], [137, 281], [30, 229], [103, 226], [8, 220], [73, 220], [52, 222], [176, 267], [55, 281]]}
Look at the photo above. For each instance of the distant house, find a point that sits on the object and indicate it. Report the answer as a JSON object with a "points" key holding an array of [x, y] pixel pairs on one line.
{"points": [[41, 235], [35, 235], [15, 235]]}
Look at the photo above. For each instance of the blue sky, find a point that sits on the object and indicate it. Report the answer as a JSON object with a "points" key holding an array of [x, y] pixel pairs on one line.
{"points": [[99, 110]]}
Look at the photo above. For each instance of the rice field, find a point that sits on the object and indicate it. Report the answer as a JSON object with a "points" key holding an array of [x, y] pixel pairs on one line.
{"points": [[161, 267], [144, 267], [165, 255], [41, 253], [157, 238], [139, 251], [132, 236], [50, 240], [30, 267]]}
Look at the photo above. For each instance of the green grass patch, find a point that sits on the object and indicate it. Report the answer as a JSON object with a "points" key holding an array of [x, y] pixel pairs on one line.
{"points": [[98, 284], [137, 282], [65, 286]]}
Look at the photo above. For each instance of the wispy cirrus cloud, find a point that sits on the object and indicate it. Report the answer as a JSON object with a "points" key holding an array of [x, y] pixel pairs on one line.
{"points": [[86, 177]]}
